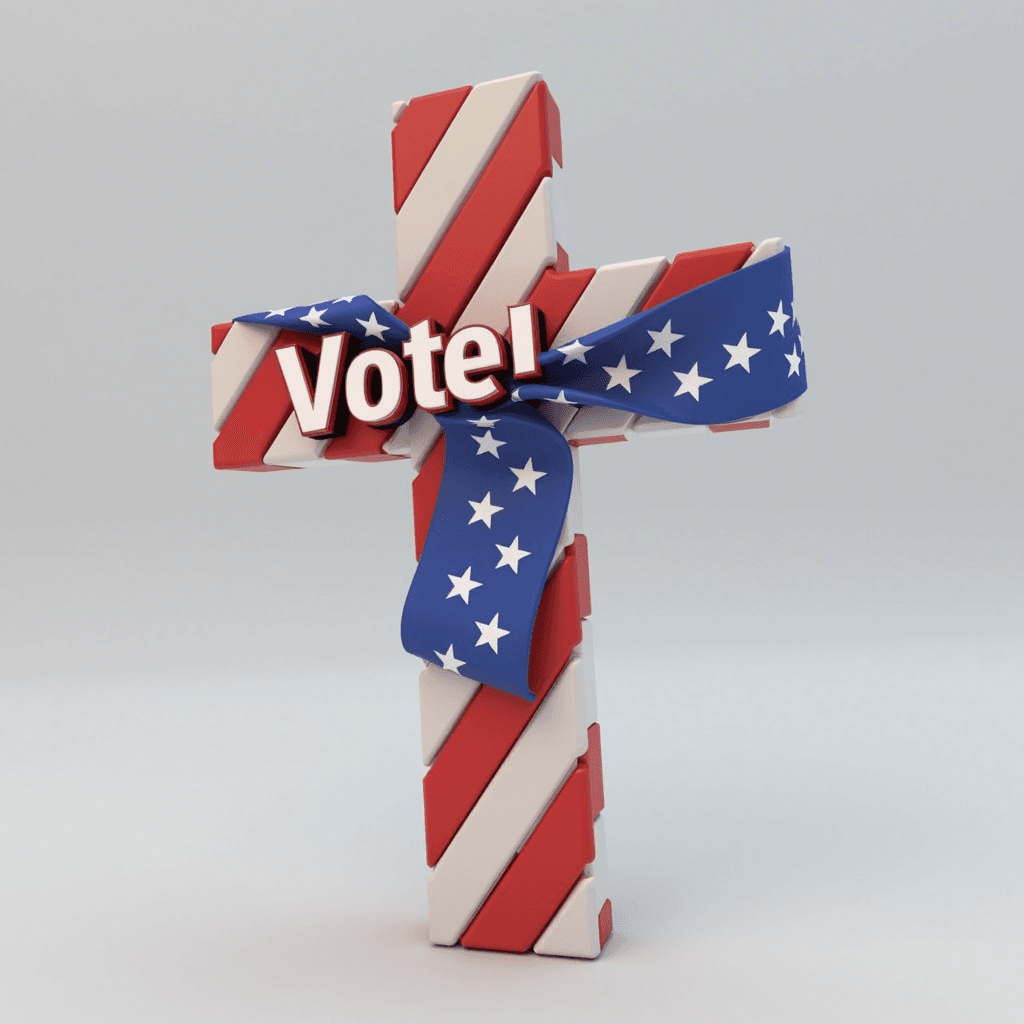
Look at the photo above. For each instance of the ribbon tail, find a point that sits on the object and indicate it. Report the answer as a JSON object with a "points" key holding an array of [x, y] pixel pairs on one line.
{"points": [[497, 522]]}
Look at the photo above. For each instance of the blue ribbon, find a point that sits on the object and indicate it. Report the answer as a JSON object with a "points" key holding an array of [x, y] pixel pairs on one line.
{"points": [[359, 315], [498, 518], [726, 351]]}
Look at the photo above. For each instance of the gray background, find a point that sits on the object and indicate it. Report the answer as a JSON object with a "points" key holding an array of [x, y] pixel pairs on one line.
{"points": [[809, 638]]}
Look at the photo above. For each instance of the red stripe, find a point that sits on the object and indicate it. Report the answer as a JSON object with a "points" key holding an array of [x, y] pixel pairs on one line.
{"points": [[218, 332], [425, 486], [579, 442], [494, 720], [604, 922], [476, 235], [554, 122], [260, 412], [724, 428], [418, 133], [592, 759], [549, 864], [542, 874], [579, 545], [555, 294], [690, 270]]}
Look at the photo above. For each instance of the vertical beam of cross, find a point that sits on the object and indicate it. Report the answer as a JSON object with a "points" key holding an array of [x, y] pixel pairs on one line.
{"points": [[512, 789], [505, 778]]}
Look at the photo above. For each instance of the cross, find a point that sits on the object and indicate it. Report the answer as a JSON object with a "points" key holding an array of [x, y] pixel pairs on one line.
{"points": [[513, 793]]}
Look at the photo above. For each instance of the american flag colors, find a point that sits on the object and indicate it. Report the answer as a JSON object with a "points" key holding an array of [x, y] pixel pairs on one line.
{"points": [[521, 361]]}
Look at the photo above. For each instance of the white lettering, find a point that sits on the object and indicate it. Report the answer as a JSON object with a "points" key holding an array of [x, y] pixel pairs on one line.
{"points": [[393, 386], [465, 372], [525, 341], [474, 350], [314, 411], [421, 348]]}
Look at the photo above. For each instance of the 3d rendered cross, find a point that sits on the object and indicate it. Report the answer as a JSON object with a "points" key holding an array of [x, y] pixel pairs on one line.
{"points": [[492, 369]]}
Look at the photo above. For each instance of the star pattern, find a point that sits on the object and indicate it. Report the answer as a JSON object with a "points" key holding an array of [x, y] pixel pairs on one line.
{"points": [[675, 348], [314, 317], [372, 328], [575, 351], [484, 511], [491, 633], [663, 340], [778, 321], [690, 383], [681, 350], [511, 555], [464, 585], [527, 477], [448, 660], [739, 354], [794, 362], [488, 444], [358, 315], [619, 376]]}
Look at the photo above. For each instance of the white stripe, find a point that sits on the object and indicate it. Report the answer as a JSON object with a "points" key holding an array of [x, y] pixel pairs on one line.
{"points": [[443, 698], [649, 424], [414, 438], [595, 421], [558, 414], [517, 268], [769, 247], [574, 513], [791, 410], [292, 448], [453, 170], [237, 359], [588, 685], [509, 808], [614, 291], [574, 930]]}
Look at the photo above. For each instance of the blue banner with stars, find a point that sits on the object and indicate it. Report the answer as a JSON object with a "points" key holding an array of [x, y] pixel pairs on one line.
{"points": [[728, 350], [359, 315], [718, 353], [496, 526]]}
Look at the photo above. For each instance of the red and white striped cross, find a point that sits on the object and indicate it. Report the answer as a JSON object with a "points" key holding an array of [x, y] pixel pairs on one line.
{"points": [[513, 790]]}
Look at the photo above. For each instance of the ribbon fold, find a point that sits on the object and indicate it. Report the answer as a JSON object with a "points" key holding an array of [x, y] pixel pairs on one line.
{"points": [[718, 353]]}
